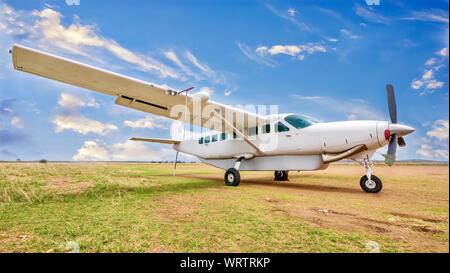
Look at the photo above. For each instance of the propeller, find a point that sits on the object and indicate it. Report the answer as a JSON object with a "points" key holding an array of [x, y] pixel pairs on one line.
{"points": [[396, 131]]}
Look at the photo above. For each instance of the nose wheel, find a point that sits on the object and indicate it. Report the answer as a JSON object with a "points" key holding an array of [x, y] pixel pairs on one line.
{"points": [[369, 182], [372, 185]]}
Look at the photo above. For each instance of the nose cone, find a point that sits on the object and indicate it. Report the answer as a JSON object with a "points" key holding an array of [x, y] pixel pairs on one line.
{"points": [[400, 129]]}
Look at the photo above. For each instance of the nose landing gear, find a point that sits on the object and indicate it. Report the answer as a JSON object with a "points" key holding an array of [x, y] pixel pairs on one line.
{"points": [[369, 182]]}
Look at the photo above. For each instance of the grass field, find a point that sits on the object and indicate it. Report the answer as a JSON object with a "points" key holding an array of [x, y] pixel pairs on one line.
{"points": [[143, 208]]}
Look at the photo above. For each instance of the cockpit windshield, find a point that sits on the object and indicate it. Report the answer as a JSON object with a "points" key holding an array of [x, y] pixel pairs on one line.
{"points": [[299, 121]]}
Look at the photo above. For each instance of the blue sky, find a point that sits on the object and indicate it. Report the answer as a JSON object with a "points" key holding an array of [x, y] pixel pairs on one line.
{"points": [[327, 59]]}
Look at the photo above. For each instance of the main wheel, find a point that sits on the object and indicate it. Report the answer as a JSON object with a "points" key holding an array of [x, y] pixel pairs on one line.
{"points": [[374, 185], [281, 175], [232, 177]]}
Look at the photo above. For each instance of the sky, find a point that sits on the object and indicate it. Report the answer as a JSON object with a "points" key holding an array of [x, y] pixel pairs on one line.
{"points": [[327, 59]]}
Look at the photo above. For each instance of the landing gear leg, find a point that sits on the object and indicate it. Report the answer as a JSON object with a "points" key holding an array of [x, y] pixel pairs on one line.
{"points": [[232, 176], [369, 182]]}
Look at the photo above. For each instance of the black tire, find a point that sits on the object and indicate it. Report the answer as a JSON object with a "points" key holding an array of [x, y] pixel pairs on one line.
{"points": [[374, 186], [232, 177], [281, 175]]}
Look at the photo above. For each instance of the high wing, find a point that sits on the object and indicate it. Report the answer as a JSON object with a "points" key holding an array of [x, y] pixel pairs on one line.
{"points": [[134, 93]]}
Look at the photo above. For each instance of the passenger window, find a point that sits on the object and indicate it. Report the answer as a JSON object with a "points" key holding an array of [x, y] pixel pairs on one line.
{"points": [[253, 131], [223, 136], [266, 129], [280, 127], [207, 140], [214, 138], [234, 135], [201, 140]]}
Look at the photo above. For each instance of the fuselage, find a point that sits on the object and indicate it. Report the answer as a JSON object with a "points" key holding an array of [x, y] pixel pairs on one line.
{"points": [[287, 137]]}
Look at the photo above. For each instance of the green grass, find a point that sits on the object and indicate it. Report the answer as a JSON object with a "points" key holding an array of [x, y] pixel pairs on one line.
{"points": [[143, 208]]}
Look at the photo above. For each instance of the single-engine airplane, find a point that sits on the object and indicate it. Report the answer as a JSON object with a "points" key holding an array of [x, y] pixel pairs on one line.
{"points": [[240, 140]]}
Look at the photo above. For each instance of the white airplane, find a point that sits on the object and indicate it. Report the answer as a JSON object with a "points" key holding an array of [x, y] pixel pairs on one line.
{"points": [[240, 140]]}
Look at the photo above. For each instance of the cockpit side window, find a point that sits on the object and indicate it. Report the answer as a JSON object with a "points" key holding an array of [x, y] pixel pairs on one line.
{"points": [[280, 127], [207, 139], [201, 140], [298, 122]]}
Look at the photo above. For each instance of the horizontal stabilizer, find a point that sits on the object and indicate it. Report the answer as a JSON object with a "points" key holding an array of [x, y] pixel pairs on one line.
{"points": [[156, 140]]}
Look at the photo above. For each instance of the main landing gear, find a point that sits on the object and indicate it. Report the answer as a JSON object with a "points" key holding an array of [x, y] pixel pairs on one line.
{"points": [[232, 176], [369, 182], [281, 176]]}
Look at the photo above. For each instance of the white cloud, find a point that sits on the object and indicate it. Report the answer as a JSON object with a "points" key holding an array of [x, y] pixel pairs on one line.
{"points": [[353, 108], [81, 124], [348, 34], [126, 151], [91, 151], [70, 101], [297, 51], [435, 15], [370, 15], [148, 122], [440, 130], [203, 67], [227, 93], [427, 75], [428, 81], [443, 52], [441, 153], [417, 84], [172, 56], [433, 84], [75, 37], [249, 53], [286, 16], [425, 150], [133, 151], [17, 122], [47, 29], [44, 28], [435, 145], [292, 12], [431, 62], [216, 77]]}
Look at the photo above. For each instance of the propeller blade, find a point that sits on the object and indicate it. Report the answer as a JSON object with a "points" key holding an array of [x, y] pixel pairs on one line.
{"points": [[401, 142], [392, 150], [391, 103], [175, 166]]}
